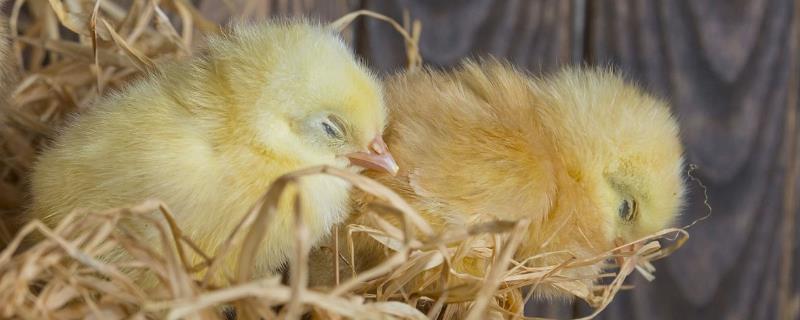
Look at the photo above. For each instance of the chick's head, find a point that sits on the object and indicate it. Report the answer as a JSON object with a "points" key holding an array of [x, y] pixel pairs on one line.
{"points": [[619, 146], [296, 89]]}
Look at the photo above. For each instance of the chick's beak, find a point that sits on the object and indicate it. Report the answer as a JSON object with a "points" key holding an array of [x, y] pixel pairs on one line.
{"points": [[376, 158]]}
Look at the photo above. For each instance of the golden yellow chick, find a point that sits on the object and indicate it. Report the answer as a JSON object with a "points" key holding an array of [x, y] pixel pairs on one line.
{"points": [[209, 135], [590, 159]]}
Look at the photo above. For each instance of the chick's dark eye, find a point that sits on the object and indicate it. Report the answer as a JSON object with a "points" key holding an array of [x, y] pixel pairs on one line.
{"points": [[627, 210]]}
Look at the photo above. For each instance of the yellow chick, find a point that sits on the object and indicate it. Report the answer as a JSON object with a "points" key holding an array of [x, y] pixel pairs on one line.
{"points": [[591, 160], [210, 134]]}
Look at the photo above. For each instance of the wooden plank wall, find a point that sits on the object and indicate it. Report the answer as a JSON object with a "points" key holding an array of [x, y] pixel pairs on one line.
{"points": [[730, 69]]}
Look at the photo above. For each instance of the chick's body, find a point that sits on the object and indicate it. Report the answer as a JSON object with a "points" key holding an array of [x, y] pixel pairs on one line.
{"points": [[589, 159], [209, 135]]}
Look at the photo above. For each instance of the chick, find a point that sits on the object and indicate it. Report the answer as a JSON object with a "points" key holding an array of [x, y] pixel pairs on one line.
{"points": [[210, 134], [591, 160]]}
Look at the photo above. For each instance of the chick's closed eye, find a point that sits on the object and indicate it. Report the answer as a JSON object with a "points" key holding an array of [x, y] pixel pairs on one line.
{"points": [[329, 129], [628, 210], [335, 127], [320, 129]]}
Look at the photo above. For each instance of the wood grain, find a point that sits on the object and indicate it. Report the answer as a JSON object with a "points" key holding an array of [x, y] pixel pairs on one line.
{"points": [[221, 11], [537, 35], [724, 66]]}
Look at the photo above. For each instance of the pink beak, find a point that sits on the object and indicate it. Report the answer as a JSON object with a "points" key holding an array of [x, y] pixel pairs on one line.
{"points": [[377, 158]]}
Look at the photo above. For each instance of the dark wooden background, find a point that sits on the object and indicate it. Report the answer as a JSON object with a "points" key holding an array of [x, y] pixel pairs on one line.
{"points": [[730, 68]]}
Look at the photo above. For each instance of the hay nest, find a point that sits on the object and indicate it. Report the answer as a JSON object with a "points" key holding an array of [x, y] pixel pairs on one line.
{"points": [[70, 52]]}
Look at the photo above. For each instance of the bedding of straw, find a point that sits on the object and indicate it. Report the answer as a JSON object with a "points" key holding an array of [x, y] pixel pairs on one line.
{"points": [[74, 51]]}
